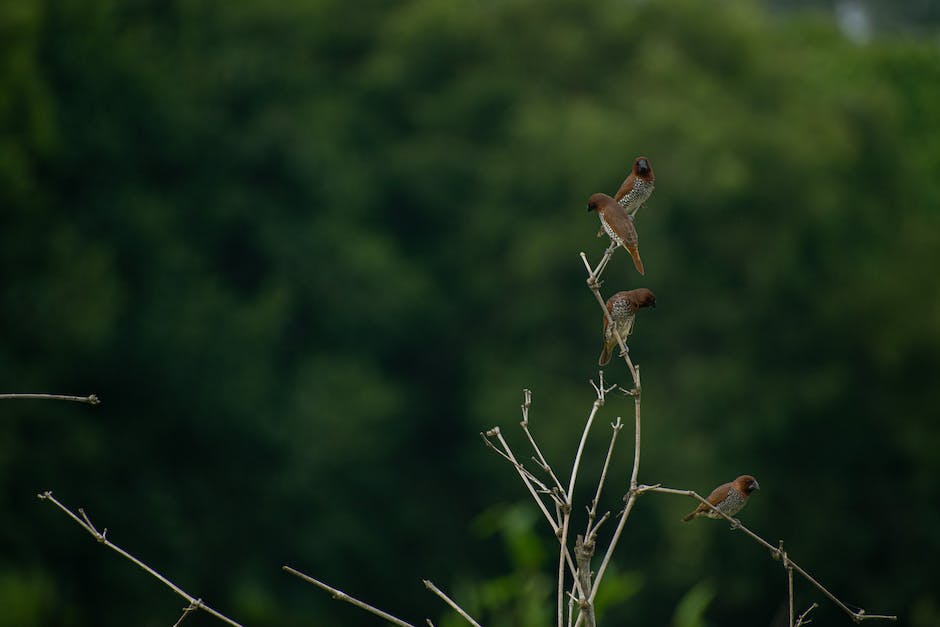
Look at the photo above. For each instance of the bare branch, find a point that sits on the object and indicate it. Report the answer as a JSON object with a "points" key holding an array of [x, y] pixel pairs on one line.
{"points": [[789, 587], [776, 553], [430, 586], [583, 552], [527, 479], [192, 607], [342, 596], [802, 620], [540, 460], [91, 399], [524, 474], [592, 512], [100, 537]]}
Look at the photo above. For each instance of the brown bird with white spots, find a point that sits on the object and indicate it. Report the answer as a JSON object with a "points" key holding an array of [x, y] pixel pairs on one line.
{"points": [[618, 225], [623, 307], [729, 498], [637, 187]]}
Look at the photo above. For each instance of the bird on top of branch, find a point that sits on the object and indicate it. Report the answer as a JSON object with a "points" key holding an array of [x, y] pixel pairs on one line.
{"points": [[618, 225], [637, 187], [728, 498]]}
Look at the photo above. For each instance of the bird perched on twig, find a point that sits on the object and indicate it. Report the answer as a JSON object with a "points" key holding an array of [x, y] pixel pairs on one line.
{"points": [[637, 187], [623, 307], [729, 498], [618, 225]]}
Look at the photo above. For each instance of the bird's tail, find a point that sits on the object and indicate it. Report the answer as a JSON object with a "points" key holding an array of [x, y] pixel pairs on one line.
{"points": [[637, 262], [689, 516], [604, 359]]}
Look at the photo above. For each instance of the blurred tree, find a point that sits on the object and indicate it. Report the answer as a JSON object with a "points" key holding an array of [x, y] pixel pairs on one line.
{"points": [[304, 253]]}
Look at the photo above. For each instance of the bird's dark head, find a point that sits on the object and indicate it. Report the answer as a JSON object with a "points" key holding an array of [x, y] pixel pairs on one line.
{"points": [[642, 168], [643, 297], [746, 484], [597, 201]]}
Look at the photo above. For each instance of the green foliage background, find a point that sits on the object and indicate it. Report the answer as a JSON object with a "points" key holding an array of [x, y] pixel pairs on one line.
{"points": [[305, 251]]}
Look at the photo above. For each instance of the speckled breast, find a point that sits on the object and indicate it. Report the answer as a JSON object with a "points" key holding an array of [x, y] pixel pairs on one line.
{"points": [[732, 503], [638, 195]]}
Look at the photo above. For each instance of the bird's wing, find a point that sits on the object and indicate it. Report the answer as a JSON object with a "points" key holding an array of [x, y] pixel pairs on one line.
{"points": [[622, 224], [625, 187], [719, 494]]}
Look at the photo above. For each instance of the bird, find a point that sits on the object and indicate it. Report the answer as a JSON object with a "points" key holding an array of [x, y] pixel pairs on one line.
{"points": [[617, 224], [729, 498], [637, 187], [623, 307]]}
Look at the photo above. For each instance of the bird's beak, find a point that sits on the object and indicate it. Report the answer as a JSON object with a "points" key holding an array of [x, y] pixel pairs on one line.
{"points": [[589, 208], [756, 486]]}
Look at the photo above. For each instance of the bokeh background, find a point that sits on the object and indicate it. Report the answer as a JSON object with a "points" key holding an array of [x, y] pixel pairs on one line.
{"points": [[306, 250]]}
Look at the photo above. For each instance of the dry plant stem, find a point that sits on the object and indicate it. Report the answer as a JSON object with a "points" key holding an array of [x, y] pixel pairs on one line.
{"points": [[633, 492], [528, 479], [592, 512], [601, 391], [593, 282], [802, 620], [100, 537], [430, 586], [583, 552], [192, 607], [342, 596], [91, 399], [526, 404], [775, 552], [789, 586]]}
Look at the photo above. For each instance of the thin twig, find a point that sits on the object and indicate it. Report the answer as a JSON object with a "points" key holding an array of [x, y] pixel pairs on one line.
{"points": [[527, 479], [91, 399], [192, 607], [802, 620], [593, 282], [541, 461], [101, 537], [525, 475], [430, 586], [342, 596], [789, 570], [776, 553], [633, 492], [592, 512]]}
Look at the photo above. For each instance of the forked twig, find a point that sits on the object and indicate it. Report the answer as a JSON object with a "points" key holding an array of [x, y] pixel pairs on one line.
{"points": [[802, 620], [101, 537]]}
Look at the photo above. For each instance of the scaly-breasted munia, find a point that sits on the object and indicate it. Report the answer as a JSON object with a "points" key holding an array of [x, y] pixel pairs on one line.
{"points": [[617, 224], [623, 307], [729, 498], [637, 187]]}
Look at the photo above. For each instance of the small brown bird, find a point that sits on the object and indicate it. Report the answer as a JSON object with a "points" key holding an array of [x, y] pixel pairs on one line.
{"points": [[637, 187], [623, 307], [729, 498], [618, 225]]}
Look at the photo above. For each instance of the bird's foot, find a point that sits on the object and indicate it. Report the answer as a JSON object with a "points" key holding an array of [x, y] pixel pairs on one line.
{"points": [[735, 524]]}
